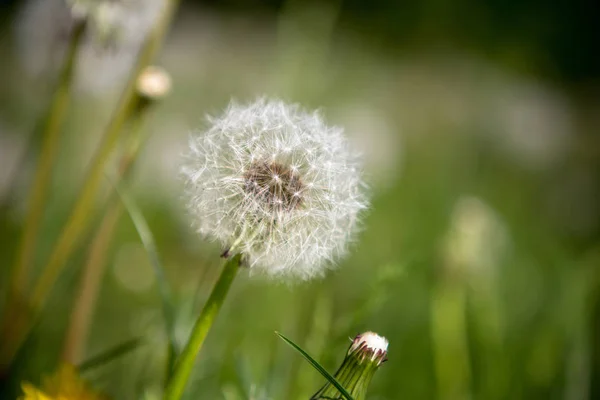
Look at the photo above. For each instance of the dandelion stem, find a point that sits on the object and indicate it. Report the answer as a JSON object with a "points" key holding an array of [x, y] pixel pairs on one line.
{"points": [[185, 364], [51, 126], [78, 221], [448, 313], [17, 309], [87, 292]]}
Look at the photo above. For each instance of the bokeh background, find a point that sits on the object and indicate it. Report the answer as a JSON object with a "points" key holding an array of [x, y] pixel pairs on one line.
{"points": [[479, 259]]}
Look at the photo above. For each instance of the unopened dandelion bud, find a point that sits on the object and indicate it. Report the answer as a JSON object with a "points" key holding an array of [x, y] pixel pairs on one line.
{"points": [[273, 182], [153, 84], [366, 353]]}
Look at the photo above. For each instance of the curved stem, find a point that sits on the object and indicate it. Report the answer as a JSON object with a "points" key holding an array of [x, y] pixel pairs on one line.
{"points": [[185, 364]]}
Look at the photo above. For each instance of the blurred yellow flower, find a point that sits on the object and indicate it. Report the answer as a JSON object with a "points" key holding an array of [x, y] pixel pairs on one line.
{"points": [[65, 384]]}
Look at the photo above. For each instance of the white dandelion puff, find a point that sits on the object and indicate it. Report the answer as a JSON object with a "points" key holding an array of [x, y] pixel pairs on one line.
{"points": [[273, 182]]}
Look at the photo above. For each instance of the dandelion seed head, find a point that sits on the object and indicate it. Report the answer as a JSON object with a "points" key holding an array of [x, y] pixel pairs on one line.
{"points": [[278, 185]]}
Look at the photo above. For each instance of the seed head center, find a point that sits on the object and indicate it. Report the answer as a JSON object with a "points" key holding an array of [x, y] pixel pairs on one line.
{"points": [[274, 184]]}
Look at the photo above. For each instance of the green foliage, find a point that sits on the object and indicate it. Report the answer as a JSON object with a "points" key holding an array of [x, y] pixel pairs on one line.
{"points": [[164, 289], [110, 354], [317, 366]]}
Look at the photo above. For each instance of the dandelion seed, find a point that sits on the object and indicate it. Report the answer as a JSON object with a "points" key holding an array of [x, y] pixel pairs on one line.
{"points": [[273, 182]]}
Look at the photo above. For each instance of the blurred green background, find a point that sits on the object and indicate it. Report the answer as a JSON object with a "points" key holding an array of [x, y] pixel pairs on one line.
{"points": [[479, 259]]}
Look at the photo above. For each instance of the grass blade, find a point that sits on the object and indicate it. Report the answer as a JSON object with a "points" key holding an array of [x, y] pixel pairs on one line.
{"points": [[110, 354], [317, 366], [164, 289]]}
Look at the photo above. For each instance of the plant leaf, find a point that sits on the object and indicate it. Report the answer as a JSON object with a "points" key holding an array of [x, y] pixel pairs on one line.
{"points": [[149, 244], [317, 366], [109, 355]]}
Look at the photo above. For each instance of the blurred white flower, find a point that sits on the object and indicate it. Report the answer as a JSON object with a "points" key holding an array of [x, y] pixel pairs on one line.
{"points": [[273, 182], [533, 122], [370, 130], [526, 121], [159, 161], [115, 31], [477, 238]]}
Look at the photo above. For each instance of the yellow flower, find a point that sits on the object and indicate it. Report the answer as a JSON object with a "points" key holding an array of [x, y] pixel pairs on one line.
{"points": [[65, 384]]}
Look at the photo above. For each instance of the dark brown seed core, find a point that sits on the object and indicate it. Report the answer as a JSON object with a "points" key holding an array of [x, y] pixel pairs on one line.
{"points": [[274, 184]]}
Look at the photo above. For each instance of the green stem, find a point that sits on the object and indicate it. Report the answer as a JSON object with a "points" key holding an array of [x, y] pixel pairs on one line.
{"points": [[17, 310], [52, 124], [79, 218], [450, 341], [78, 221], [354, 375], [185, 364], [91, 277]]}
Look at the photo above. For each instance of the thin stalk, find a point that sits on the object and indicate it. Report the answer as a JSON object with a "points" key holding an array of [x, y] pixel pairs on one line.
{"points": [[308, 314], [79, 218], [578, 363], [17, 309], [78, 221], [185, 363], [111, 354], [51, 127], [164, 289], [353, 376], [492, 380], [317, 339], [450, 342], [331, 379], [87, 293], [89, 286]]}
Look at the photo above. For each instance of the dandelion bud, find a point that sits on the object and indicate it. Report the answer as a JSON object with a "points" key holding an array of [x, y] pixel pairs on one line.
{"points": [[276, 184], [365, 355], [153, 84]]}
